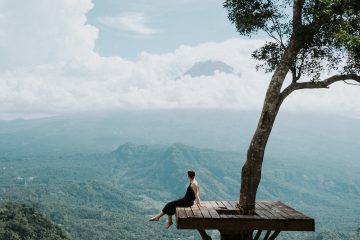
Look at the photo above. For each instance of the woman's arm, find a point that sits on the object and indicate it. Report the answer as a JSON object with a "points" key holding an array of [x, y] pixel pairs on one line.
{"points": [[196, 191]]}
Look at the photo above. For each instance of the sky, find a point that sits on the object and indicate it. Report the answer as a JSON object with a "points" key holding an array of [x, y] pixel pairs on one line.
{"points": [[65, 56]]}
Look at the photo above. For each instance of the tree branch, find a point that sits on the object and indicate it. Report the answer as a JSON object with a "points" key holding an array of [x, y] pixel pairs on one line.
{"points": [[268, 31], [297, 14], [303, 57], [354, 84], [278, 31], [289, 56], [318, 84], [293, 73]]}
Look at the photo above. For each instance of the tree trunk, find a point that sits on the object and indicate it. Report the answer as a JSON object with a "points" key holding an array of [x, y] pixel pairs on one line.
{"points": [[251, 171]]}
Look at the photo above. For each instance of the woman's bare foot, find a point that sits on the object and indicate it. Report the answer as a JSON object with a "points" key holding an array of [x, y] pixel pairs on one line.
{"points": [[168, 225], [156, 218]]}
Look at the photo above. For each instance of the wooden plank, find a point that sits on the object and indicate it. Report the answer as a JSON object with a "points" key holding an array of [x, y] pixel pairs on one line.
{"points": [[221, 206], [204, 211], [233, 203], [196, 211], [207, 204], [267, 218], [189, 213], [180, 212], [227, 205], [291, 211], [214, 205], [267, 210], [275, 210], [261, 211], [211, 209], [283, 211], [278, 207], [272, 209]]}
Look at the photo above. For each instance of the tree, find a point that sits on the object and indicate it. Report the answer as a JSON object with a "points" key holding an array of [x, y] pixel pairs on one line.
{"points": [[310, 39]]}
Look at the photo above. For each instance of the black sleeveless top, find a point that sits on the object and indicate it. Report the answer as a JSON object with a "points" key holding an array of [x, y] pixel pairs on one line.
{"points": [[189, 195]]}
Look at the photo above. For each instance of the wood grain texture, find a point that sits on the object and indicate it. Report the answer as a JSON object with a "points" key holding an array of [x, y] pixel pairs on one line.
{"points": [[223, 215]]}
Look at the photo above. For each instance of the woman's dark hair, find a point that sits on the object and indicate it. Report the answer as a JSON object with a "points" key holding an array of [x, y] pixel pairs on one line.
{"points": [[191, 174]]}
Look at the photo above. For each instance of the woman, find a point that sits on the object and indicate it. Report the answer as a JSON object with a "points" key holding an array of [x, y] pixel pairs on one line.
{"points": [[191, 195]]}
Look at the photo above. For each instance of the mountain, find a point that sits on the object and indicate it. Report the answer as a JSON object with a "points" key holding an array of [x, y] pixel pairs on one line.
{"points": [[208, 68], [317, 138], [101, 175], [83, 194], [318, 190], [111, 195], [164, 167], [22, 222]]}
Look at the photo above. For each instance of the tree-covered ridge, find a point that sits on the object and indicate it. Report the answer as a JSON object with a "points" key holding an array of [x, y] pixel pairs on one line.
{"points": [[20, 222], [110, 196]]}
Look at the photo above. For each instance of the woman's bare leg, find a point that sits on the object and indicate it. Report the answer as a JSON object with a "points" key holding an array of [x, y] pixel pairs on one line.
{"points": [[157, 217], [170, 222]]}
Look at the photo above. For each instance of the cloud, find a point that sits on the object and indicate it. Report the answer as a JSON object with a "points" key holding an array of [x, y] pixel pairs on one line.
{"points": [[132, 22], [54, 70], [44, 32], [154, 81]]}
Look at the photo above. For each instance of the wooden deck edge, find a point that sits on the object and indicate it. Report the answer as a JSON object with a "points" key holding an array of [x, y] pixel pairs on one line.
{"points": [[231, 224], [277, 217]]}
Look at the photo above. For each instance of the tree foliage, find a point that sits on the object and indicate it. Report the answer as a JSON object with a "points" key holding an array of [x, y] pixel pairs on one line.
{"points": [[309, 37], [327, 33], [21, 222]]}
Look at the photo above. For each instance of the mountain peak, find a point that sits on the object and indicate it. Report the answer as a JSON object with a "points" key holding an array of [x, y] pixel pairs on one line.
{"points": [[208, 68]]}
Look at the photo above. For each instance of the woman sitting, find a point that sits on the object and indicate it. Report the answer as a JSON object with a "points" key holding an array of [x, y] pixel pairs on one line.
{"points": [[191, 195]]}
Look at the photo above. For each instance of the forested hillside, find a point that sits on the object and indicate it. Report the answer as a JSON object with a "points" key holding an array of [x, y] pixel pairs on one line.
{"points": [[111, 196], [102, 175], [23, 222]]}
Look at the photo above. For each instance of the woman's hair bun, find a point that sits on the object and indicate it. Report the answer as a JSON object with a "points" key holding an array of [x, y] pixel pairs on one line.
{"points": [[191, 173]]}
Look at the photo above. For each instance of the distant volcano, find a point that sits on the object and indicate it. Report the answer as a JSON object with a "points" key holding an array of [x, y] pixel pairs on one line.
{"points": [[208, 68]]}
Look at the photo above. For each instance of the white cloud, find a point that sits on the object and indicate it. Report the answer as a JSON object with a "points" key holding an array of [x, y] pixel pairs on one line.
{"points": [[43, 32], [55, 70], [132, 22]]}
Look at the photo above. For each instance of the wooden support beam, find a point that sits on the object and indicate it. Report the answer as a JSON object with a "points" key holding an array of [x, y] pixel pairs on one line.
{"points": [[274, 235], [204, 235], [257, 236], [266, 237]]}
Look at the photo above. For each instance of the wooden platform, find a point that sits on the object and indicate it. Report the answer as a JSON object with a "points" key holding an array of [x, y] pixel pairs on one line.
{"points": [[224, 216]]}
